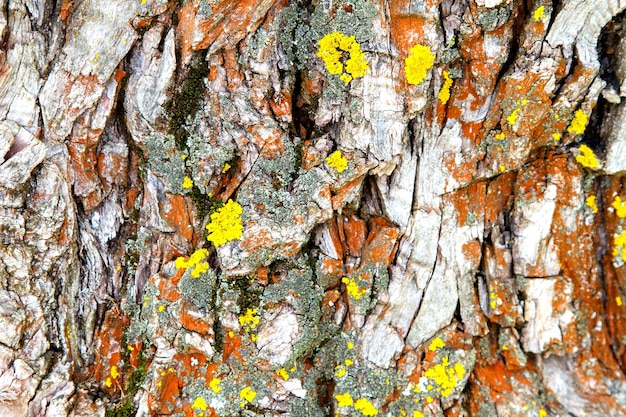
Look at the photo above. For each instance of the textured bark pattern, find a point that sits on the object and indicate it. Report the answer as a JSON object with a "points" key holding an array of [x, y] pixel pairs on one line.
{"points": [[462, 254]]}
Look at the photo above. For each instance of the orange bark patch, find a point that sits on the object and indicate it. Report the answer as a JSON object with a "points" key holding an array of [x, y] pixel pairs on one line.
{"points": [[341, 195], [381, 242], [195, 322], [231, 347], [168, 290], [175, 212], [355, 231]]}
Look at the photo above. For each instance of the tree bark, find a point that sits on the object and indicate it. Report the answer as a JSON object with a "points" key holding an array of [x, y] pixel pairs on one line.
{"points": [[312, 208]]}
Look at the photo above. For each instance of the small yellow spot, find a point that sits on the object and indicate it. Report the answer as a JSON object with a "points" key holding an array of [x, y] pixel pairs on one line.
{"points": [[349, 362], [502, 168], [539, 13], [338, 161], [524, 102], [437, 343], [418, 414], [350, 345], [505, 347], [119, 267], [282, 372], [619, 206], [618, 301], [231, 334], [579, 123], [215, 385], [183, 157], [444, 93], [586, 157], [108, 382], [161, 308], [293, 369], [247, 394], [344, 400], [556, 136], [254, 337], [129, 347], [429, 399], [187, 183], [500, 136], [591, 203], [114, 372], [417, 64], [340, 371], [159, 384], [226, 168], [143, 1], [365, 407], [200, 404], [542, 412]]}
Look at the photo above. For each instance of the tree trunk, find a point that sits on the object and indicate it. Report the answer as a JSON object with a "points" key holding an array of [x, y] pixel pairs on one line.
{"points": [[312, 208]]}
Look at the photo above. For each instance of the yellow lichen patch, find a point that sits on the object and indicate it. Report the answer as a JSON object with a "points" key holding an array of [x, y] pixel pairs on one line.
{"points": [[331, 48], [500, 136], [493, 300], [437, 343], [340, 371], [417, 64], [114, 372], [215, 385], [618, 301], [195, 262], [226, 168], [418, 414], [619, 206], [365, 407], [108, 382], [556, 136], [200, 268], [161, 308], [282, 372], [542, 412], [579, 123], [619, 250], [539, 13], [199, 404], [586, 157], [249, 321], [445, 377], [444, 93], [350, 345], [349, 362], [187, 182], [344, 400], [225, 224], [512, 118], [247, 394], [353, 288], [591, 203], [338, 161]]}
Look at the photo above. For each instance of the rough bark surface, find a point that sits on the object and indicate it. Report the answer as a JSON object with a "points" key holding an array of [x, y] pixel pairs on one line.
{"points": [[201, 216]]}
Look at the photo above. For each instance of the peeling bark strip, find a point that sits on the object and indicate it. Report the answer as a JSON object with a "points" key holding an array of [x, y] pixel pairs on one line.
{"points": [[312, 208]]}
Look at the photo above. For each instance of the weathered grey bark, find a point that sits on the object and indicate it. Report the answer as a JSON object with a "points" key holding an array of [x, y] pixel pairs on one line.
{"points": [[467, 260]]}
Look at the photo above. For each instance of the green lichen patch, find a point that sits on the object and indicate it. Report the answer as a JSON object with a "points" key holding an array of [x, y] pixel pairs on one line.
{"points": [[165, 159], [200, 291]]}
